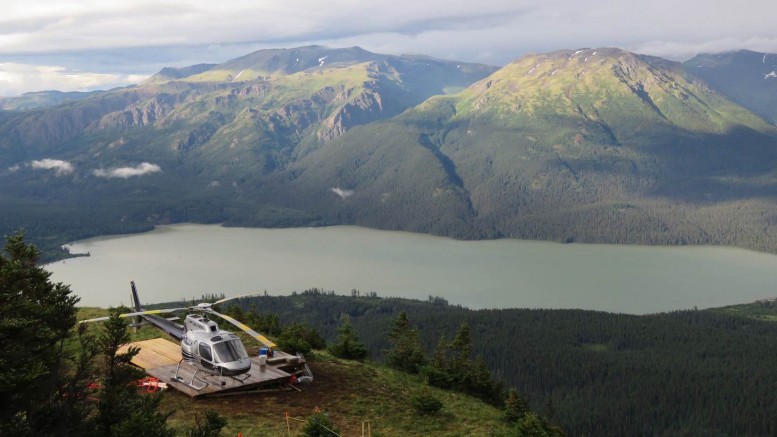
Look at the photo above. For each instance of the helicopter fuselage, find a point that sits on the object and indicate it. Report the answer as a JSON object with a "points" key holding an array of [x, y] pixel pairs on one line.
{"points": [[214, 350]]}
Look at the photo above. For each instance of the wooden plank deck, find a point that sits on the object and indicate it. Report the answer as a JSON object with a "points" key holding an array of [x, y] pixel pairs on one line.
{"points": [[154, 353], [159, 358]]}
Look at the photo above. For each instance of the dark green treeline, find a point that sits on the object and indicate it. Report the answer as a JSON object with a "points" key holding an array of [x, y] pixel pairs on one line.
{"points": [[600, 374]]}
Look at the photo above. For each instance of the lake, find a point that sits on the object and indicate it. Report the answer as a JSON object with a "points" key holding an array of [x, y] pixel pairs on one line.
{"points": [[185, 261]]}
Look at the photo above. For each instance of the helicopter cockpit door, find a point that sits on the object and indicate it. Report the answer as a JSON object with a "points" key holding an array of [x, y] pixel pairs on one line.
{"points": [[206, 354]]}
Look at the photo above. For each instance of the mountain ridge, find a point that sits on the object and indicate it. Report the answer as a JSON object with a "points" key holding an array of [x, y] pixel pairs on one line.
{"points": [[588, 145]]}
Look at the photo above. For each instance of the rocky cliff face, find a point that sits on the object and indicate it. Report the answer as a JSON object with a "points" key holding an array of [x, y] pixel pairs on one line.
{"points": [[363, 108]]}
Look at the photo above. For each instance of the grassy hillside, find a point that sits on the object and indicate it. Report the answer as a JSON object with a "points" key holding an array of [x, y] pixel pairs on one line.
{"points": [[350, 392]]}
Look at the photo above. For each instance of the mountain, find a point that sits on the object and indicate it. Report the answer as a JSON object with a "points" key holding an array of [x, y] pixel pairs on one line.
{"points": [[265, 100], [596, 145], [592, 145], [41, 99], [746, 77]]}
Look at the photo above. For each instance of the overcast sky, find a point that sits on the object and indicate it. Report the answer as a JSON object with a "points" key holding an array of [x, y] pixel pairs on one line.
{"points": [[97, 44]]}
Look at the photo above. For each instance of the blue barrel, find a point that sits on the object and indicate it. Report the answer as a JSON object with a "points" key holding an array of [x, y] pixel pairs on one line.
{"points": [[263, 351]]}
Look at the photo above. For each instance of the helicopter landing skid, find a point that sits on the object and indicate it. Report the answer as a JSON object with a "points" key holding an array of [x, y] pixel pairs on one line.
{"points": [[244, 377], [180, 379]]}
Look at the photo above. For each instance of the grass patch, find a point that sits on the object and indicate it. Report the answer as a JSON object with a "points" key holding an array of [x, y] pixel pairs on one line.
{"points": [[350, 393]]}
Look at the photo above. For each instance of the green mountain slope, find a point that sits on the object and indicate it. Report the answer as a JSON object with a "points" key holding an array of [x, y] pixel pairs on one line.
{"points": [[746, 77], [186, 108], [597, 145]]}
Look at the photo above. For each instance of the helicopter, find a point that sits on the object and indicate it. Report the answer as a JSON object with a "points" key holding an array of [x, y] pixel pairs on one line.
{"points": [[203, 343]]}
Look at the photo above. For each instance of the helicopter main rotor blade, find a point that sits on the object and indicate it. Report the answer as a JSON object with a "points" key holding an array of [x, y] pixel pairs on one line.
{"points": [[233, 298], [259, 337], [137, 313]]}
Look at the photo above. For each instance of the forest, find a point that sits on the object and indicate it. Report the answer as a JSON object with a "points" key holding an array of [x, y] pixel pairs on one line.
{"points": [[705, 373]]}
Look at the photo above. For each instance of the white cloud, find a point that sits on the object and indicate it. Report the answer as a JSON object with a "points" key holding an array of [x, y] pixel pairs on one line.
{"points": [[344, 194], [134, 37], [60, 167], [18, 78], [682, 50], [14, 168], [128, 172]]}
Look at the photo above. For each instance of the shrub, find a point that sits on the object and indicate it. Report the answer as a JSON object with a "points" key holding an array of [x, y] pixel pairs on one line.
{"points": [[319, 425], [425, 403]]}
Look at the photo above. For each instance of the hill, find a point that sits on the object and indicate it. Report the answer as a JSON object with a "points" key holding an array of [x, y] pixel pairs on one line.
{"points": [[349, 392]]}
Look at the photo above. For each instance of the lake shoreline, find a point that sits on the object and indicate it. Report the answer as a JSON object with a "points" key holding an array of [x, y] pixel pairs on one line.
{"points": [[478, 274], [156, 227]]}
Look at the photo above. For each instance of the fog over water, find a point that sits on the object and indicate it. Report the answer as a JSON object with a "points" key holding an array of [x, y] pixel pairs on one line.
{"points": [[184, 261]]}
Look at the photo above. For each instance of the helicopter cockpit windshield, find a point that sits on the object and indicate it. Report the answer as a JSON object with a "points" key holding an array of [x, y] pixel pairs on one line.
{"points": [[230, 350]]}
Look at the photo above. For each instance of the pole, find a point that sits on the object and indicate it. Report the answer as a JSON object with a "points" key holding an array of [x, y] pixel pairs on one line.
{"points": [[288, 426]]}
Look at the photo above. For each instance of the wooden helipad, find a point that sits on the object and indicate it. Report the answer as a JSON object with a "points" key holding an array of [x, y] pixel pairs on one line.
{"points": [[159, 358]]}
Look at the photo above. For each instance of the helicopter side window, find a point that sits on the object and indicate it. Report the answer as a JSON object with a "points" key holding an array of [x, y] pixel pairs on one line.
{"points": [[205, 352]]}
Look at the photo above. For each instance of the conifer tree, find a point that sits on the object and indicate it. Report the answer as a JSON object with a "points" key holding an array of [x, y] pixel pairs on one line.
{"points": [[122, 410], [453, 367], [407, 353], [515, 406], [36, 316], [348, 345]]}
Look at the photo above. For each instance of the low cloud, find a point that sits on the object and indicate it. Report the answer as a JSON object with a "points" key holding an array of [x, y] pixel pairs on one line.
{"points": [[683, 50], [128, 172], [98, 44], [17, 78], [60, 167], [344, 194]]}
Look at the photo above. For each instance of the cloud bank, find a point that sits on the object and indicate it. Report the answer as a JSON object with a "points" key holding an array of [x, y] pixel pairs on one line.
{"points": [[131, 39], [60, 167], [128, 172], [18, 78]]}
